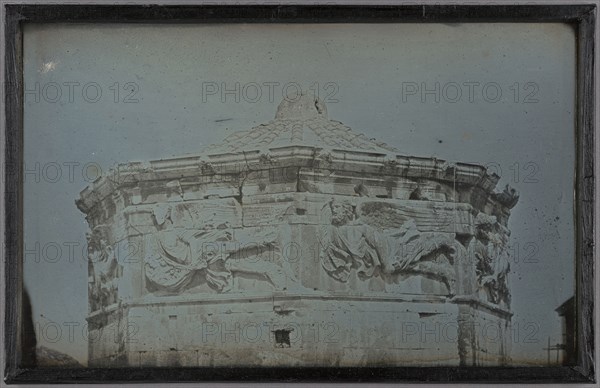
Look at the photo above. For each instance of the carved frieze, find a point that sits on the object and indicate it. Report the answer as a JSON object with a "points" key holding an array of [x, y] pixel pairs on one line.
{"points": [[384, 245], [177, 256], [103, 268], [490, 249]]}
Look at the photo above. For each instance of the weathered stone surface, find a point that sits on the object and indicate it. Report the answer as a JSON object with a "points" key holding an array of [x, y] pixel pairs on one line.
{"points": [[332, 246]]}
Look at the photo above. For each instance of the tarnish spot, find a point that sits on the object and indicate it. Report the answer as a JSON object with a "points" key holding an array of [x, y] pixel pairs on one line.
{"points": [[48, 66]]}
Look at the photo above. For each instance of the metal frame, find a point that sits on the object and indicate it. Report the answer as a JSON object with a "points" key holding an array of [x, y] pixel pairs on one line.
{"points": [[582, 17]]}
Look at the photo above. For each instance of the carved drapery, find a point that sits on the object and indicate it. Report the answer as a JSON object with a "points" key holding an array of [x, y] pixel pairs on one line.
{"points": [[380, 245], [175, 255], [103, 268], [490, 248]]}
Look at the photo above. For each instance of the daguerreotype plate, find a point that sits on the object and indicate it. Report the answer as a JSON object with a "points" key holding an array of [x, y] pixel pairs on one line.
{"points": [[268, 192]]}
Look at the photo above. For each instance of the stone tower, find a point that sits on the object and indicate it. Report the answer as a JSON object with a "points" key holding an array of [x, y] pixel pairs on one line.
{"points": [[298, 242]]}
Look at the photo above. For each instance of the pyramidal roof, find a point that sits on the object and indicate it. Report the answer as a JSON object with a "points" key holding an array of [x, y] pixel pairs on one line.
{"points": [[301, 121]]}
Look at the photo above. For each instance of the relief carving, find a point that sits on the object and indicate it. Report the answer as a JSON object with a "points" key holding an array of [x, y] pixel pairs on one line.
{"points": [[176, 256], [387, 247], [103, 268], [490, 248]]}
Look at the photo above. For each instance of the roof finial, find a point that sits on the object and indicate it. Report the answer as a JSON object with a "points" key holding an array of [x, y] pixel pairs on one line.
{"points": [[301, 107]]}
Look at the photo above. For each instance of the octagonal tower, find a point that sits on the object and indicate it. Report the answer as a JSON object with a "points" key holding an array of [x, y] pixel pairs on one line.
{"points": [[298, 242]]}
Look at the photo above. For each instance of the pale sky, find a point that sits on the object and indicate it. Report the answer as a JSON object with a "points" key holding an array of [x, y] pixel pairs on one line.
{"points": [[364, 73]]}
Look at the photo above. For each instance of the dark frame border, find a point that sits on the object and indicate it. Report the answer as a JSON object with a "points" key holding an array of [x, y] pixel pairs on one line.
{"points": [[583, 17]]}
